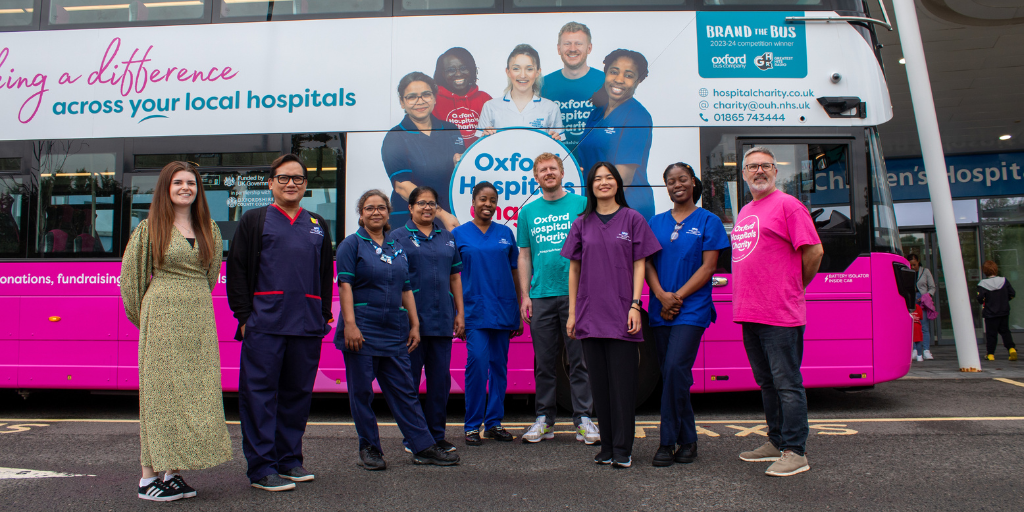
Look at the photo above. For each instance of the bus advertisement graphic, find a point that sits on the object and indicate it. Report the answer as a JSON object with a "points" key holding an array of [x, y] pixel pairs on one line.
{"points": [[751, 45]]}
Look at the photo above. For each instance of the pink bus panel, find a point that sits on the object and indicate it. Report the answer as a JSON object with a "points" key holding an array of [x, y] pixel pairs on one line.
{"points": [[67, 364], [893, 338]]}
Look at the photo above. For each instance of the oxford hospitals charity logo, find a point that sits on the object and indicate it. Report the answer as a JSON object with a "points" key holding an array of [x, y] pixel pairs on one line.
{"points": [[506, 160]]}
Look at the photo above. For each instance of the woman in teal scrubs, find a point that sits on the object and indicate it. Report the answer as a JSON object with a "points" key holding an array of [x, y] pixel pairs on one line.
{"points": [[491, 293]]}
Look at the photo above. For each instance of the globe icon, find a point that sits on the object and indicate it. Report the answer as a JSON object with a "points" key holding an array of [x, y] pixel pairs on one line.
{"points": [[703, 92]]}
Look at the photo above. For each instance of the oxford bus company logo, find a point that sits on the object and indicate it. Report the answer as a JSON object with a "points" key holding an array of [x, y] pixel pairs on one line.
{"points": [[764, 62], [729, 62], [506, 160]]}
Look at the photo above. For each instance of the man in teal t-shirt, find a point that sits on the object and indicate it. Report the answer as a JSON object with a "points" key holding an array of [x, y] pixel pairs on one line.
{"points": [[572, 86], [543, 227]]}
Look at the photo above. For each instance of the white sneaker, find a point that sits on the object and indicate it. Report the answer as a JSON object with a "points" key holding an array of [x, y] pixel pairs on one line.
{"points": [[539, 431], [587, 431], [919, 359], [913, 355], [928, 354]]}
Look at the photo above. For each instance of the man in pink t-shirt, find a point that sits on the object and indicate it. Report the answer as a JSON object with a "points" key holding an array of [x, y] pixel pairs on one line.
{"points": [[775, 254]]}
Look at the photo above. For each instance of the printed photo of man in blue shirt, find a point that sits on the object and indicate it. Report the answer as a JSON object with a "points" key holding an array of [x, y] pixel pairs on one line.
{"points": [[572, 86]]}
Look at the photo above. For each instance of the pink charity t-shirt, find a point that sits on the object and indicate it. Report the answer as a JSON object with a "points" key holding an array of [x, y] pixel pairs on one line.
{"points": [[767, 270]]}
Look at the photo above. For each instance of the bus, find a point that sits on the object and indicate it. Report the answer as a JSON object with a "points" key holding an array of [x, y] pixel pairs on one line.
{"points": [[96, 96]]}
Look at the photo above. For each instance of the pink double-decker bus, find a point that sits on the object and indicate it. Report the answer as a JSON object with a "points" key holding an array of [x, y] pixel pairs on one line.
{"points": [[96, 96]]}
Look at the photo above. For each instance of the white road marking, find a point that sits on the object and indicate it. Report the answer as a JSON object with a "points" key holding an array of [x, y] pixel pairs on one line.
{"points": [[15, 473]]}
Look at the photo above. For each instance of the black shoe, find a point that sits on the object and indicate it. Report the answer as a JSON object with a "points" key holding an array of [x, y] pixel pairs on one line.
{"points": [[273, 483], [297, 474], [371, 460], [436, 456], [179, 483], [664, 456], [603, 457], [687, 453], [444, 445], [159, 490], [499, 434], [473, 438], [622, 462]]}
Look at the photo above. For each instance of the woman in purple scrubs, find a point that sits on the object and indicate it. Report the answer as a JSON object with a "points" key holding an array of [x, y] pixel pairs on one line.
{"points": [[607, 247]]}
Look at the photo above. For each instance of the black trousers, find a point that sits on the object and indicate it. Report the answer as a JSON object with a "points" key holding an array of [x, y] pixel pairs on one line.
{"points": [[995, 326], [612, 365]]}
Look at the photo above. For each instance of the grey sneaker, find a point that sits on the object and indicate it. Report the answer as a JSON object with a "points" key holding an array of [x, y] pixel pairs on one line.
{"points": [[538, 431], [788, 465], [766, 453]]}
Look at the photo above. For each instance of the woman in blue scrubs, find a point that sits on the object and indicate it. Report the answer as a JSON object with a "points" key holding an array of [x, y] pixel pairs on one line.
{"points": [[380, 328], [681, 309], [434, 267], [490, 276], [619, 128]]}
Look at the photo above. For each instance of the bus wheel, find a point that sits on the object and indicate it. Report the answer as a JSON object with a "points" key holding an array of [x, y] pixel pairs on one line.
{"points": [[648, 375]]}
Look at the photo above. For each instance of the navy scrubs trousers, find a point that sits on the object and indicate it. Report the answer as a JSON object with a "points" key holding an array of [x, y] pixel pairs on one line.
{"points": [[393, 374], [677, 351], [275, 389], [434, 354]]}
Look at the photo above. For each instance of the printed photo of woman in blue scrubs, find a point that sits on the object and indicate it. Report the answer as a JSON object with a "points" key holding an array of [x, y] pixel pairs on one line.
{"points": [[421, 150], [619, 128]]}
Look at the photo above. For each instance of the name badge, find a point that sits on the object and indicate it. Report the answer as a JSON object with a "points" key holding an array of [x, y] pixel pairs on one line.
{"points": [[386, 259]]}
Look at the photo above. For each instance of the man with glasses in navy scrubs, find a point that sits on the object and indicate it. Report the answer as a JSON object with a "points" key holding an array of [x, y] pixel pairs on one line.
{"points": [[280, 288]]}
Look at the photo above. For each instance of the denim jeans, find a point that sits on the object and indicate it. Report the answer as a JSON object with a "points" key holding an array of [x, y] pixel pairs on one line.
{"points": [[926, 327], [775, 355]]}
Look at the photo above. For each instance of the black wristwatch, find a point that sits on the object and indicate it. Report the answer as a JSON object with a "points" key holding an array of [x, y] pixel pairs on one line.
{"points": [[639, 302]]}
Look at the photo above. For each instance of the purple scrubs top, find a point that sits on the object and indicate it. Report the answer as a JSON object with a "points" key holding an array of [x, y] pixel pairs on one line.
{"points": [[607, 252]]}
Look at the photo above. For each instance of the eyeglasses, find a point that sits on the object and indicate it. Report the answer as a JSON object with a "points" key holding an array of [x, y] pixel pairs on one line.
{"points": [[412, 98], [379, 208], [283, 179], [754, 167], [426, 204], [675, 233], [460, 69]]}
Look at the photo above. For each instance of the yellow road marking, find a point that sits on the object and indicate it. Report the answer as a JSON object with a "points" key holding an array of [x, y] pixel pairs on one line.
{"points": [[745, 431], [1008, 381]]}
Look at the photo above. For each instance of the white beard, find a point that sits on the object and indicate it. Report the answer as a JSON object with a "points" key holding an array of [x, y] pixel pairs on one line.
{"points": [[762, 186]]}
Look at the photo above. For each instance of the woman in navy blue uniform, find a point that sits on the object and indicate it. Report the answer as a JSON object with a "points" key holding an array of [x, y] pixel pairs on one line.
{"points": [[422, 149], [619, 128], [434, 267], [380, 329], [490, 275], [680, 279]]}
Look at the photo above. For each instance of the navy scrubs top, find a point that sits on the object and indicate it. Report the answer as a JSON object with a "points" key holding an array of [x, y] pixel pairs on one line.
{"points": [[287, 299], [624, 137], [680, 258], [432, 261], [378, 276], [411, 155], [487, 287]]}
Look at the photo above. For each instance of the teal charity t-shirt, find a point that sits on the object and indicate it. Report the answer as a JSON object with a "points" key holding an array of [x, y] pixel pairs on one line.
{"points": [[573, 98], [543, 227]]}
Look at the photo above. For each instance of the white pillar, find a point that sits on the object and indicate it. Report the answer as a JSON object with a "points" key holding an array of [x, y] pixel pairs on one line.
{"points": [[938, 186]]}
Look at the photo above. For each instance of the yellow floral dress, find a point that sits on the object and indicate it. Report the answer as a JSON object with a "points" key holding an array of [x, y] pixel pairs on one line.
{"points": [[181, 409]]}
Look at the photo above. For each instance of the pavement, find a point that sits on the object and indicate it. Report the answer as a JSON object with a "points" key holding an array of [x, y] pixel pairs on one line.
{"points": [[912, 444], [946, 366]]}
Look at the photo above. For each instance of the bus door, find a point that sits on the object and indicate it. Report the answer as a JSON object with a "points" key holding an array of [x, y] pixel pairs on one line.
{"points": [[829, 177]]}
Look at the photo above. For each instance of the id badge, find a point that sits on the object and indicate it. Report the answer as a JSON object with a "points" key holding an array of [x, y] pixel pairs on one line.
{"points": [[385, 258]]}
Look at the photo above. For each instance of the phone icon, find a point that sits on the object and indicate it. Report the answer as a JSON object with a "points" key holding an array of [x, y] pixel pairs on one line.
{"points": [[701, 114]]}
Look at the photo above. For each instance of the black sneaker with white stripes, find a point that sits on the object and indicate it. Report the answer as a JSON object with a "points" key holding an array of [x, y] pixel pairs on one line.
{"points": [[160, 491], [179, 483]]}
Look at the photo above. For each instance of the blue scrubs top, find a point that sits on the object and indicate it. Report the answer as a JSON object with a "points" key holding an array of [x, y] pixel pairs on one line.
{"points": [[623, 138], [378, 276], [432, 261], [287, 299], [573, 98], [679, 259], [487, 287], [411, 155]]}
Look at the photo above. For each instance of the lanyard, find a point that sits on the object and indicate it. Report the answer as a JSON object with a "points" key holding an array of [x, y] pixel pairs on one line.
{"points": [[380, 252]]}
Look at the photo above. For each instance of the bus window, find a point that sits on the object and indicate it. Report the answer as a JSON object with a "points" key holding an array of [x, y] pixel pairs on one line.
{"points": [[886, 234], [764, 3], [819, 176], [299, 8], [77, 192], [16, 13], [78, 12], [13, 201], [598, 4]]}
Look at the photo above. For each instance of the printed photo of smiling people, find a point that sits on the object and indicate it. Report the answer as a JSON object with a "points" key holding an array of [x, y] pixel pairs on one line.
{"points": [[467, 109]]}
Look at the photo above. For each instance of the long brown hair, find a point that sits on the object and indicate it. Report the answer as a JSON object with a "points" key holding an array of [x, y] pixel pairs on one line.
{"points": [[161, 215]]}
